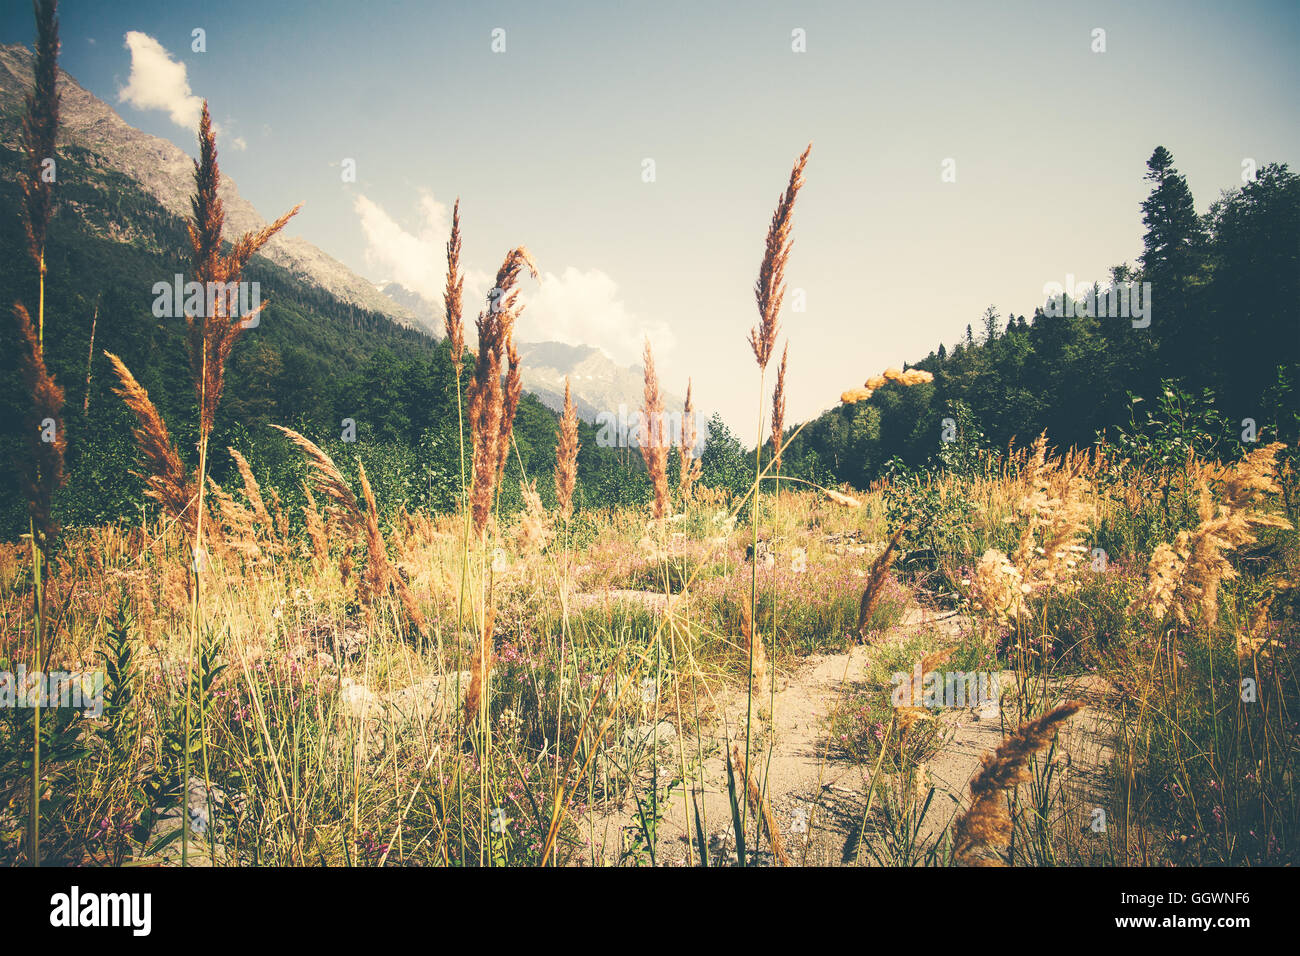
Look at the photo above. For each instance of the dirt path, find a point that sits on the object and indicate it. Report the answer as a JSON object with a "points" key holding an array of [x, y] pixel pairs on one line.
{"points": [[817, 795]]}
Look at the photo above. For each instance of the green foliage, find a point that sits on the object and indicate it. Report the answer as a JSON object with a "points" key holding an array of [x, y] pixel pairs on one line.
{"points": [[1182, 424], [1223, 289], [723, 462]]}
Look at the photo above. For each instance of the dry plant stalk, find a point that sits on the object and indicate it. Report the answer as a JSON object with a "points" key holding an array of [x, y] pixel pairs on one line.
{"points": [[211, 337], [753, 649], [320, 548], [778, 410], [43, 467], [90, 360], [353, 519], [1186, 575], [166, 480], [987, 824], [842, 499], [492, 408], [253, 491], [769, 289], [652, 436], [566, 455], [451, 298], [240, 522], [483, 659], [40, 127], [1056, 506], [759, 804], [534, 530], [690, 466], [876, 582], [380, 572]]}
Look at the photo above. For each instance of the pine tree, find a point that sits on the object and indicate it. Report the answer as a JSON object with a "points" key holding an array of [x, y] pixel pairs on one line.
{"points": [[1173, 249]]}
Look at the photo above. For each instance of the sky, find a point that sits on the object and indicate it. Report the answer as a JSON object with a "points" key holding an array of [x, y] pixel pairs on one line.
{"points": [[964, 154]]}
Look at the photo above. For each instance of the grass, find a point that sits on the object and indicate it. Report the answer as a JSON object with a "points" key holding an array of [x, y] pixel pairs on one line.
{"points": [[371, 685], [341, 741]]}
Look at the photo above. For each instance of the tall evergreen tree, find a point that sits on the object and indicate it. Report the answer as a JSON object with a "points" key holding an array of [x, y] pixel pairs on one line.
{"points": [[1172, 250]]}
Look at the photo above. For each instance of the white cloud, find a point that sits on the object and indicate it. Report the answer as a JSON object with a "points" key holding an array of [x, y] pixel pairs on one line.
{"points": [[157, 82], [576, 306], [583, 307], [414, 260]]}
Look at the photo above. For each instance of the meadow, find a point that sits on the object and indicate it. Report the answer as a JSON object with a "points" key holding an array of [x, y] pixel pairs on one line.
{"points": [[706, 678]]}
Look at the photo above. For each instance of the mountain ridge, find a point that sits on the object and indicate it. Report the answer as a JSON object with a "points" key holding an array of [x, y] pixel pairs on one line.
{"points": [[165, 172]]}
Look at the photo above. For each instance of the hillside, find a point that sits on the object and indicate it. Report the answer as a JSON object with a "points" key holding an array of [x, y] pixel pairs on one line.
{"points": [[167, 175]]}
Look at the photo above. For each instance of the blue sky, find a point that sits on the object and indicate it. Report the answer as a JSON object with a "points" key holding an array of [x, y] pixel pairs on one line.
{"points": [[545, 144]]}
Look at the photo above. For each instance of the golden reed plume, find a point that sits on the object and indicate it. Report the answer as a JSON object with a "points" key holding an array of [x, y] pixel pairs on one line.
{"points": [[566, 455], [211, 338], [986, 824], [326, 478], [491, 409], [690, 466], [451, 298], [759, 804], [483, 659], [769, 289], [778, 410], [1184, 577], [652, 435], [875, 582], [166, 480], [379, 572], [847, 501], [320, 547], [753, 649], [514, 388], [240, 522], [253, 492], [43, 468]]}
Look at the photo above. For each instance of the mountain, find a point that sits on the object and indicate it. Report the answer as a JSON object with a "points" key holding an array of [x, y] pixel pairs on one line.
{"points": [[598, 383], [167, 174], [426, 315]]}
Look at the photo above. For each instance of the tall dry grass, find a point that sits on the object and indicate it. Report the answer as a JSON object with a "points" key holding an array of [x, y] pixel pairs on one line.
{"points": [[43, 469]]}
